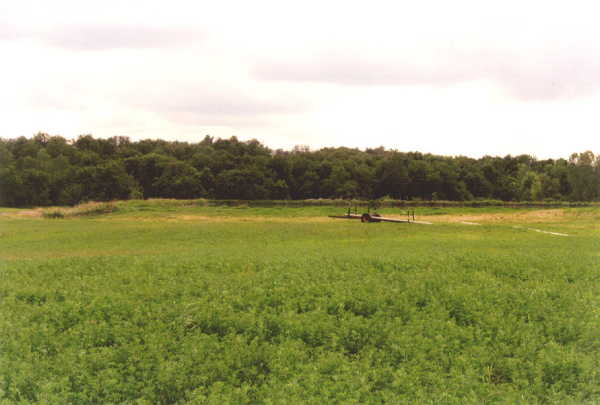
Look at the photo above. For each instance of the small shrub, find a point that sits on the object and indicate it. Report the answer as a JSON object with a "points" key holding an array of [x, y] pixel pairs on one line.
{"points": [[92, 208], [53, 214]]}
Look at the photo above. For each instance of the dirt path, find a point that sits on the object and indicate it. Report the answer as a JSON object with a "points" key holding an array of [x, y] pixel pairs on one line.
{"points": [[546, 216]]}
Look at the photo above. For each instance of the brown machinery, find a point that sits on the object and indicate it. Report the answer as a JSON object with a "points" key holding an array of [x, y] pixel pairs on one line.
{"points": [[374, 217]]}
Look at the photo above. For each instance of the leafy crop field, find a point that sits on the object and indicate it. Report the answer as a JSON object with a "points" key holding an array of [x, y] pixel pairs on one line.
{"points": [[164, 302]]}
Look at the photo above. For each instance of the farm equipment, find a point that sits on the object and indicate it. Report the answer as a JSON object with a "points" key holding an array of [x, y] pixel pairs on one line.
{"points": [[373, 217]]}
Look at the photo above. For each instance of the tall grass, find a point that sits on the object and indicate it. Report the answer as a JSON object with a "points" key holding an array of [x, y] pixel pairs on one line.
{"points": [[163, 204], [86, 209]]}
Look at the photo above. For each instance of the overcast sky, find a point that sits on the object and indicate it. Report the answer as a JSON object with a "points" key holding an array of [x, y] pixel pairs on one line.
{"points": [[445, 77]]}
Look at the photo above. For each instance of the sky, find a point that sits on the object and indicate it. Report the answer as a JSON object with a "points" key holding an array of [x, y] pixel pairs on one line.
{"points": [[454, 77]]}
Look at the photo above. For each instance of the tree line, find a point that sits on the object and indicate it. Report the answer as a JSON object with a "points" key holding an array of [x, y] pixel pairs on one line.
{"points": [[51, 170]]}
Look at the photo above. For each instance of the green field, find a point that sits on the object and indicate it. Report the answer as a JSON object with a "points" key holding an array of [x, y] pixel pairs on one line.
{"points": [[162, 302]]}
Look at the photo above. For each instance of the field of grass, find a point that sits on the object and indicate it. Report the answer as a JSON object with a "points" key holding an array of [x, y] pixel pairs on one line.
{"points": [[170, 302]]}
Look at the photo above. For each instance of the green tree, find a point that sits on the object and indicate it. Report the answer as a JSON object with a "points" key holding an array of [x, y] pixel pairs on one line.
{"points": [[584, 176], [179, 180], [392, 178], [146, 170]]}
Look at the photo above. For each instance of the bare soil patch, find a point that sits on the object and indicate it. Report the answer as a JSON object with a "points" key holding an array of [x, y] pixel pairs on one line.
{"points": [[204, 218], [23, 214], [522, 217], [517, 217]]}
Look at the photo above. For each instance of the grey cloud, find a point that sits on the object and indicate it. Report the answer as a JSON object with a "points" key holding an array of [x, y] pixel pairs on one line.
{"points": [[222, 104], [538, 74], [104, 37], [551, 76], [9, 31], [214, 105], [190, 118], [343, 68]]}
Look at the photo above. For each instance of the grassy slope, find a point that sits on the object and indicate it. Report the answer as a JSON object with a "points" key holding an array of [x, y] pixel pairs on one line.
{"points": [[143, 304]]}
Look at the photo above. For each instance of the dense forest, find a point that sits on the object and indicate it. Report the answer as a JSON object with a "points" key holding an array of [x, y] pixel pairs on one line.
{"points": [[51, 170]]}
